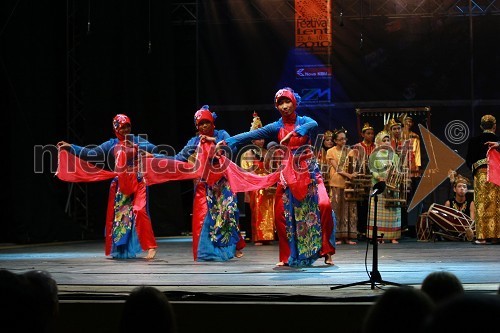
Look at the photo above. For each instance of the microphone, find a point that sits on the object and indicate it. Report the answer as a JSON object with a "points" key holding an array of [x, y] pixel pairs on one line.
{"points": [[378, 188]]}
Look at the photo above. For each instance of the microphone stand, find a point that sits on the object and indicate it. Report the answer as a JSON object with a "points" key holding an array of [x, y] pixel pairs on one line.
{"points": [[375, 276]]}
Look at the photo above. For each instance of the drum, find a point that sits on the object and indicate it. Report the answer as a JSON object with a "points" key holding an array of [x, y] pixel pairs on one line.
{"points": [[423, 228], [451, 223]]}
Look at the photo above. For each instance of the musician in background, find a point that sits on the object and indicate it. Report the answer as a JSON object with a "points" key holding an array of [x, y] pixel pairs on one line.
{"points": [[394, 128], [324, 166], [415, 158], [339, 157], [383, 161], [460, 200], [414, 163], [405, 153], [368, 134], [365, 148], [261, 202], [486, 194]]}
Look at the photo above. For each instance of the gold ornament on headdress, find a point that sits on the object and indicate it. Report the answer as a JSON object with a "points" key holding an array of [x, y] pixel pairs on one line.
{"points": [[391, 123], [460, 179], [456, 178], [256, 123], [337, 131], [328, 134], [366, 126]]}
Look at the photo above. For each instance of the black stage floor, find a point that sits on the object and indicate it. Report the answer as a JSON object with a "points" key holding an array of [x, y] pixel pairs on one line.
{"points": [[83, 272]]}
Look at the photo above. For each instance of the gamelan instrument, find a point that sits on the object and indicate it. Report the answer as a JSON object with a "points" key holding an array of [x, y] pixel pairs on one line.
{"points": [[398, 178], [357, 188], [451, 223], [423, 228]]}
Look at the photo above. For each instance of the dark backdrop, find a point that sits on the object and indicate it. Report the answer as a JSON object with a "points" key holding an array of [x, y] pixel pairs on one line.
{"points": [[235, 65], [115, 73]]}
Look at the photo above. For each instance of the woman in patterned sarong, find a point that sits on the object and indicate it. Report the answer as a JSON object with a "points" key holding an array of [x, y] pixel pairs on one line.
{"points": [[382, 161]]}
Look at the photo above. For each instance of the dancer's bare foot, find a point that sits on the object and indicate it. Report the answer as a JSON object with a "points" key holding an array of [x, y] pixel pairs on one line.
{"points": [[238, 254], [394, 241], [281, 264], [151, 253], [328, 259], [258, 243], [338, 242]]}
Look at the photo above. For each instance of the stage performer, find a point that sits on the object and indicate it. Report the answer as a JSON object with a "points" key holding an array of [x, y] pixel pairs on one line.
{"points": [[486, 193], [324, 166], [303, 214], [128, 229], [367, 144], [365, 147], [384, 160], [461, 201], [262, 200], [216, 234], [415, 156], [394, 129], [406, 155], [339, 157]]}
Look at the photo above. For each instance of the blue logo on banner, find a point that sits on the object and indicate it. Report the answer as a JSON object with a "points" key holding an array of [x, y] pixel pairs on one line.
{"points": [[316, 95]]}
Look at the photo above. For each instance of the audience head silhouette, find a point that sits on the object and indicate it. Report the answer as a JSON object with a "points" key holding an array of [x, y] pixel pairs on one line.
{"points": [[400, 309], [441, 286], [147, 309], [465, 313], [29, 301]]}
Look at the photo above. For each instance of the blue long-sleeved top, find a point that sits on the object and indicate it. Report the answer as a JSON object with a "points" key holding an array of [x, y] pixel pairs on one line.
{"points": [[104, 151], [303, 126]]}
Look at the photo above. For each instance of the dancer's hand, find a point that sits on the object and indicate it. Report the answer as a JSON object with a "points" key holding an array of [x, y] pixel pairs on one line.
{"points": [[287, 138], [146, 154], [220, 144], [206, 138], [492, 144], [63, 145]]}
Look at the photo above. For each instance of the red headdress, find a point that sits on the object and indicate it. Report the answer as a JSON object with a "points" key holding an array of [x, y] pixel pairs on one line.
{"points": [[118, 122], [288, 93], [204, 114]]}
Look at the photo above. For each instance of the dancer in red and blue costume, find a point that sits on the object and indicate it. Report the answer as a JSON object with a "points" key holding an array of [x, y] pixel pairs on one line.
{"points": [[304, 219], [216, 234], [128, 229]]}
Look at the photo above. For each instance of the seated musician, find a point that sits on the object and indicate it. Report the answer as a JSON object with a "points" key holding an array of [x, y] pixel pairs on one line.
{"points": [[455, 219], [461, 201]]}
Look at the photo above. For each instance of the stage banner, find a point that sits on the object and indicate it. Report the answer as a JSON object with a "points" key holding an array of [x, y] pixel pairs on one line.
{"points": [[248, 49], [313, 51]]}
